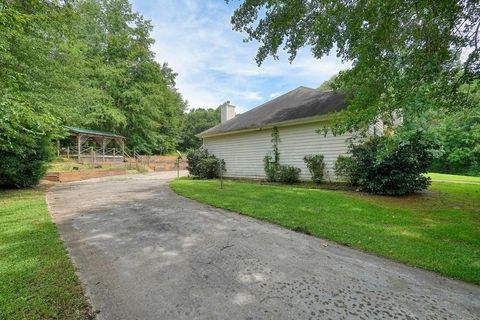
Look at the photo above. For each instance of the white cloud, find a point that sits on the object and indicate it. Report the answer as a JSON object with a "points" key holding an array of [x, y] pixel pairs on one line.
{"points": [[306, 64], [465, 53], [214, 64], [252, 96]]}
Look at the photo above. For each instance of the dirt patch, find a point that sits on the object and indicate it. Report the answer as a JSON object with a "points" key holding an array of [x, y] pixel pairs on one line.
{"points": [[81, 175]]}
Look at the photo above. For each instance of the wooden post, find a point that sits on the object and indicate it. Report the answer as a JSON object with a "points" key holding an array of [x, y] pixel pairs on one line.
{"points": [[113, 154], [103, 149], [79, 145], [221, 174], [178, 167], [123, 149], [58, 148]]}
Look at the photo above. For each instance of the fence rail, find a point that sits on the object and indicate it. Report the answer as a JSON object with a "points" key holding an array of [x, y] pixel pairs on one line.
{"points": [[92, 155]]}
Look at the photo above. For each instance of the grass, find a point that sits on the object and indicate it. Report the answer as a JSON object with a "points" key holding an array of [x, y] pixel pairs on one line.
{"points": [[37, 279], [438, 230], [453, 178]]}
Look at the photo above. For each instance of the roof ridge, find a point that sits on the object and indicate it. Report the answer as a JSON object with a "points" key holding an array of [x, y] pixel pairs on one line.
{"points": [[305, 87]]}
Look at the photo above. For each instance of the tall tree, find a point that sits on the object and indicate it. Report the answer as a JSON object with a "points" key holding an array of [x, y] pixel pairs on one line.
{"points": [[33, 89], [458, 133], [196, 121], [85, 63], [405, 54], [141, 101]]}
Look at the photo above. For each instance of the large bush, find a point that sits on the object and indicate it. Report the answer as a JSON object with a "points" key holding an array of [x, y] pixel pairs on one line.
{"points": [[345, 169], [389, 165], [288, 174], [25, 145], [25, 168], [204, 165], [316, 165]]}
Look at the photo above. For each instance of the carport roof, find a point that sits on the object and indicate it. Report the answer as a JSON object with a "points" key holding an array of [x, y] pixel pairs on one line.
{"points": [[297, 104], [93, 132]]}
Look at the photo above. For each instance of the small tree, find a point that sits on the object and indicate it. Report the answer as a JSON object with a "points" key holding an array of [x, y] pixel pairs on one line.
{"points": [[316, 165]]}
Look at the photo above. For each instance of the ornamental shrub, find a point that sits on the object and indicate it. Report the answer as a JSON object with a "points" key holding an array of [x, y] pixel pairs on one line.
{"points": [[193, 158], [288, 174], [209, 168], [26, 144], [25, 168], [390, 165], [203, 165], [271, 168], [316, 165], [345, 170]]}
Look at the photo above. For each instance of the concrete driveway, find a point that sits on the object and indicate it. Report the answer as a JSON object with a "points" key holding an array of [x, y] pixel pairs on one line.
{"points": [[143, 252]]}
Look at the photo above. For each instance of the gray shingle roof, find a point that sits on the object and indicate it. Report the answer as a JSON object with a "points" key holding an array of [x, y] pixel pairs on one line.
{"points": [[94, 132], [300, 103]]}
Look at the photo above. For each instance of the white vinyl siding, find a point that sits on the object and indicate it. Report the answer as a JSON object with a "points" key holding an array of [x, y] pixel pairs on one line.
{"points": [[376, 129], [244, 152]]}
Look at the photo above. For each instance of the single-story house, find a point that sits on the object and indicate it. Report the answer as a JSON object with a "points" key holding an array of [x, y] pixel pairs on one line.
{"points": [[244, 140]]}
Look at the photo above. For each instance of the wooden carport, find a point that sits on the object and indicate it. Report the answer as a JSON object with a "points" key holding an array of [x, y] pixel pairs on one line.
{"points": [[94, 146]]}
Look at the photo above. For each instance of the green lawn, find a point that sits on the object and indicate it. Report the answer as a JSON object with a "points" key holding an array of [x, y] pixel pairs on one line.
{"points": [[37, 279], [438, 230], [453, 178]]}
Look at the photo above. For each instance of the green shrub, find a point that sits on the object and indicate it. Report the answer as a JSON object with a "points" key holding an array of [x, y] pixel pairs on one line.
{"points": [[389, 165], [209, 168], [20, 170], [288, 174], [271, 168], [344, 169], [26, 145], [193, 158], [316, 165], [203, 165]]}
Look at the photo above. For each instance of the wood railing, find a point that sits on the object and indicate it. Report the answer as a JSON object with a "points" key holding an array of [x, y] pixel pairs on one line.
{"points": [[92, 154]]}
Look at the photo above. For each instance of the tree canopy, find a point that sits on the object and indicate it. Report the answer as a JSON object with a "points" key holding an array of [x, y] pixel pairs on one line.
{"points": [[328, 85], [406, 55], [196, 121], [88, 63], [138, 96], [85, 63]]}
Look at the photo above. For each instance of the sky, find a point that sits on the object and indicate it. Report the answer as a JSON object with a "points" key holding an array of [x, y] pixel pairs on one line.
{"points": [[213, 62]]}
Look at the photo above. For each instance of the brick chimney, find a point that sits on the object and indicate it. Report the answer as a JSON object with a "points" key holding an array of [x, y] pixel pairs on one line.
{"points": [[227, 111]]}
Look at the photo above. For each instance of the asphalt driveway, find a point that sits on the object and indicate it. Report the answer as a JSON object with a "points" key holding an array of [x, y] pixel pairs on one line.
{"points": [[143, 252]]}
